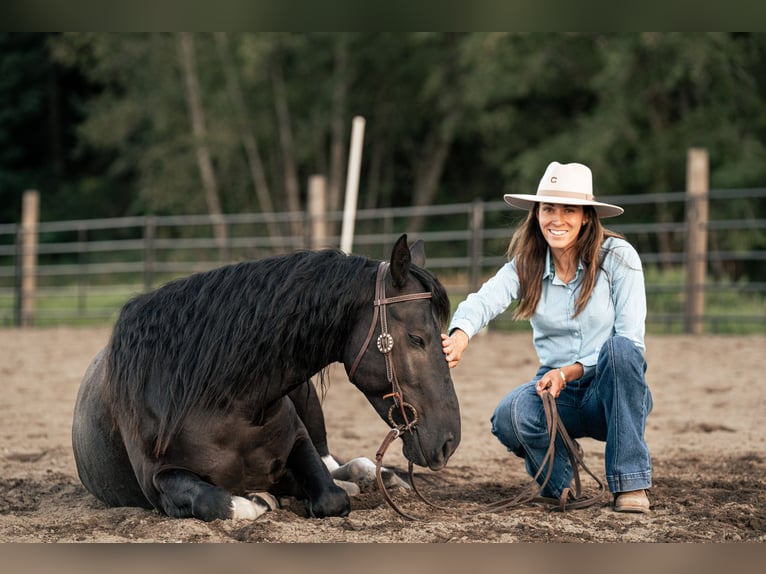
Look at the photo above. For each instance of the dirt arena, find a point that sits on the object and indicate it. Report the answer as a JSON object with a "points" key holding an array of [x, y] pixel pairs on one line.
{"points": [[706, 435]]}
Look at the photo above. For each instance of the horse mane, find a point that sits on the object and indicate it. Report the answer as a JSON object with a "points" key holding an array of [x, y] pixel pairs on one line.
{"points": [[213, 337]]}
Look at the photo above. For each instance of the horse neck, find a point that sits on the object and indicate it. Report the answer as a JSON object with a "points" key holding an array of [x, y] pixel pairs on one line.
{"points": [[321, 341]]}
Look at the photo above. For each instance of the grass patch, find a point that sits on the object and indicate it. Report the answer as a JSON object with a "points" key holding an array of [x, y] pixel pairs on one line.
{"points": [[730, 308]]}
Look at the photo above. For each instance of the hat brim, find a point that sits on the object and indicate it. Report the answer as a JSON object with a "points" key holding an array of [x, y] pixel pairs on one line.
{"points": [[526, 201]]}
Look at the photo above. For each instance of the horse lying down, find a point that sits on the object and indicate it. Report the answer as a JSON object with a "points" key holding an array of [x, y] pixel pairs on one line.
{"points": [[201, 403]]}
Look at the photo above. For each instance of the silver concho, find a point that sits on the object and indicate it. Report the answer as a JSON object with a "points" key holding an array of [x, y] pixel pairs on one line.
{"points": [[385, 343]]}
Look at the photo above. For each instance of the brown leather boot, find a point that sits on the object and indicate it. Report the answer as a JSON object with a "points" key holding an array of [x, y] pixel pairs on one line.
{"points": [[632, 501]]}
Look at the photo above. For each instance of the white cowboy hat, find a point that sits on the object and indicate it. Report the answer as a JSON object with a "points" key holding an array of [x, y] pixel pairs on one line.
{"points": [[570, 184]]}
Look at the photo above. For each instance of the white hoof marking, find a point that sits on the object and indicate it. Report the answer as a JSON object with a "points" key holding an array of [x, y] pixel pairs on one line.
{"points": [[250, 509], [330, 462]]}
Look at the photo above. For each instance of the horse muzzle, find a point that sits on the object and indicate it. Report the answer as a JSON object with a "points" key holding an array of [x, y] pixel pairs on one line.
{"points": [[420, 448]]}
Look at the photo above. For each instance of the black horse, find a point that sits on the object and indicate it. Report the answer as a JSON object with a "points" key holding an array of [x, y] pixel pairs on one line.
{"points": [[203, 396]]}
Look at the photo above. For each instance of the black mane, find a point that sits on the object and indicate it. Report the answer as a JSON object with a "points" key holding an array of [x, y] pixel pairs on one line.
{"points": [[206, 339]]}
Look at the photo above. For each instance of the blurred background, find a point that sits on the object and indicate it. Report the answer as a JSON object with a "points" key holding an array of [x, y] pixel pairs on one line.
{"points": [[159, 154]]}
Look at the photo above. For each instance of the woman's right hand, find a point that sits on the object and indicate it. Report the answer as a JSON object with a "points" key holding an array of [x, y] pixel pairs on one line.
{"points": [[453, 347]]}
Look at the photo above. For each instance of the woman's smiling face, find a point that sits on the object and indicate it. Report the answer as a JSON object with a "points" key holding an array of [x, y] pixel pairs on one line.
{"points": [[561, 224]]}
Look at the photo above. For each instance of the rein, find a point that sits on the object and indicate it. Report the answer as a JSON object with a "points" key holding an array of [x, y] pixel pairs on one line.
{"points": [[531, 493]]}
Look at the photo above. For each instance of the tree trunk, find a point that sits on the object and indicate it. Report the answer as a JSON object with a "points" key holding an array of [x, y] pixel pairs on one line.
{"points": [[664, 240], [337, 131], [204, 161], [286, 143], [429, 170], [372, 190], [247, 135]]}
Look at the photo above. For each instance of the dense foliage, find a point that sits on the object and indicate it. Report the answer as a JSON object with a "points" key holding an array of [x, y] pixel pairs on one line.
{"points": [[120, 124]]}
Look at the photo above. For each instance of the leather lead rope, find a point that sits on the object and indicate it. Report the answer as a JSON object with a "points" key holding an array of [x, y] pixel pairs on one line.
{"points": [[391, 436], [530, 493]]}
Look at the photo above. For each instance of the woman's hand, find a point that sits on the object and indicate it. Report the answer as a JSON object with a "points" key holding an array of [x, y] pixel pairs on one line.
{"points": [[553, 382], [453, 347]]}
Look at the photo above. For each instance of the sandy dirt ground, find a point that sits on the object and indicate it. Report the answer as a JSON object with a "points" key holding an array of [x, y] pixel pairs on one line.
{"points": [[706, 435]]}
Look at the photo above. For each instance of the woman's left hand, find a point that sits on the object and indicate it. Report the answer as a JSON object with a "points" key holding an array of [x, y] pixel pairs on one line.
{"points": [[552, 382]]}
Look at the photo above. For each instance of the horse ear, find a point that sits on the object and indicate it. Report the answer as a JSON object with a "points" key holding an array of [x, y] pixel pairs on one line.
{"points": [[400, 261], [418, 253]]}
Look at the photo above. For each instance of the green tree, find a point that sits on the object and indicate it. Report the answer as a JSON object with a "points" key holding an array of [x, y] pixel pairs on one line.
{"points": [[40, 105], [663, 93], [450, 117]]}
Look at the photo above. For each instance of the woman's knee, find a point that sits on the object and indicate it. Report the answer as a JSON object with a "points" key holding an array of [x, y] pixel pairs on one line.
{"points": [[619, 350], [621, 363], [513, 415], [619, 346], [502, 426]]}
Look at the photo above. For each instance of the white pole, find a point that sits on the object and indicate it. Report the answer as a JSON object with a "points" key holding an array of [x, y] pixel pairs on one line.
{"points": [[352, 184], [317, 208]]}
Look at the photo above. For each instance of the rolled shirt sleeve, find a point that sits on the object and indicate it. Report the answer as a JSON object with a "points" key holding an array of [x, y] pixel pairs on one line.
{"points": [[494, 297]]}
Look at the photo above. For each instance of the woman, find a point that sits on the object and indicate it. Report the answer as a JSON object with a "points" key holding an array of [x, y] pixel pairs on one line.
{"points": [[581, 287]]}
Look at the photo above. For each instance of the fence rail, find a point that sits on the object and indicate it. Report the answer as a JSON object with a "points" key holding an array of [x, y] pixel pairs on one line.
{"points": [[86, 269]]}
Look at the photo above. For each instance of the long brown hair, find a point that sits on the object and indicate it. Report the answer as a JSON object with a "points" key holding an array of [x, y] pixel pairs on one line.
{"points": [[528, 247]]}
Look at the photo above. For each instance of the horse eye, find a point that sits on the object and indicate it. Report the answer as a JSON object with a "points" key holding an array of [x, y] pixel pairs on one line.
{"points": [[415, 340]]}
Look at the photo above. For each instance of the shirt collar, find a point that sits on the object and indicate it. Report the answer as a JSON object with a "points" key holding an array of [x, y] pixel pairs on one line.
{"points": [[550, 269]]}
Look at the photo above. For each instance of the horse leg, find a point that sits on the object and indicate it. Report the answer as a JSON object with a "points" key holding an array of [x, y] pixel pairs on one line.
{"points": [[312, 479], [351, 476], [361, 471], [183, 494], [309, 409]]}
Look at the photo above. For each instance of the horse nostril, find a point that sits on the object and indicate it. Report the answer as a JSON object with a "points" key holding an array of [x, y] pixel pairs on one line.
{"points": [[447, 447]]}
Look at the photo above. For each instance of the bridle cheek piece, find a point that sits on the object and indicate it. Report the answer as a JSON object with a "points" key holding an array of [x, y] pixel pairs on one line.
{"points": [[385, 344]]}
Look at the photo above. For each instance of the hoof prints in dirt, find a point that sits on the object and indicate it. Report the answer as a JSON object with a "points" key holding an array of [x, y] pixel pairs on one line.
{"points": [[723, 499], [27, 495]]}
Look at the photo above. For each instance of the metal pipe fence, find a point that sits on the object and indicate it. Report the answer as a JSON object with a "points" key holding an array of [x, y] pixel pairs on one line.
{"points": [[86, 269]]}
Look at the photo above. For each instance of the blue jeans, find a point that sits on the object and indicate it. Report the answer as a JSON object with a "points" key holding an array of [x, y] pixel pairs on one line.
{"points": [[610, 405]]}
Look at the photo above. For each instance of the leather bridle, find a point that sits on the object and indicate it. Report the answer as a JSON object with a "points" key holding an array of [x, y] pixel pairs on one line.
{"points": [[385, 344]]}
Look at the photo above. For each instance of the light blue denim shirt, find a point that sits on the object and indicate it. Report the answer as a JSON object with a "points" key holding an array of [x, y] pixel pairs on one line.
{"points": [[617, 306]]}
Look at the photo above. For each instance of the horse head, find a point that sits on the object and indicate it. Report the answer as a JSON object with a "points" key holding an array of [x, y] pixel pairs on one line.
{"points": [[394, 357]]}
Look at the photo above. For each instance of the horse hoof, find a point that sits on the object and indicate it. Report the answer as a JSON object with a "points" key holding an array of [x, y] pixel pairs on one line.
{"points": [[358, 470], [265, 499], [361, 471], [351, 488], [252, 507], [393, 480], [334, 502]]}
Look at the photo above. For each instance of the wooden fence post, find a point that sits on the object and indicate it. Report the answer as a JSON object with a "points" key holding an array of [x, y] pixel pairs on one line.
{"points": [[476, 244], [697, 188], [30, 217], [318, 211]]}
